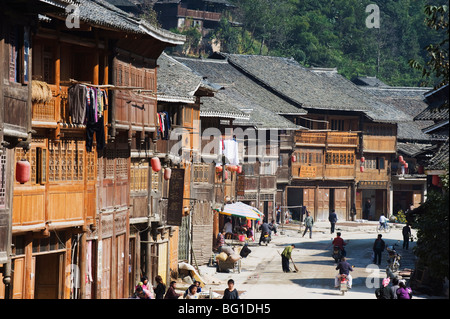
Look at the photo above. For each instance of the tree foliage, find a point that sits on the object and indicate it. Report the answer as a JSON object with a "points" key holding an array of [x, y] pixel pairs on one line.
{"points": [[437, 53], [432, 224], [332, 33]]}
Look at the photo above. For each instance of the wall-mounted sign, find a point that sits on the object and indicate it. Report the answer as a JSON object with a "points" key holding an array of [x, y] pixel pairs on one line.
{"points": [[372, 184], [175, 199]]}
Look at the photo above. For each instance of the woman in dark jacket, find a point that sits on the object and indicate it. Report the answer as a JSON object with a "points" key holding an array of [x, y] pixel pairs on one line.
{"points": [[160, 289], [171, 294]]}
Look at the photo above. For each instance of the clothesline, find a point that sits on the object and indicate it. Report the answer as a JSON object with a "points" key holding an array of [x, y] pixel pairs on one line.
{"points": [[107, 86]]}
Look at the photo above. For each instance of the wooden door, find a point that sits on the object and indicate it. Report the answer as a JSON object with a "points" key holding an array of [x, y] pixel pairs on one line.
{"points": [[47, 276], [120, 242], [340, 203], [323, 202], [106, 269], [18, 278], [162, 261], [308, 200]]}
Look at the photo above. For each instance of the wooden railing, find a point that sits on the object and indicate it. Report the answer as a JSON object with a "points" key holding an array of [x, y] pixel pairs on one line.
{"points": [[330, 138], [50, 112], [197, 14]]}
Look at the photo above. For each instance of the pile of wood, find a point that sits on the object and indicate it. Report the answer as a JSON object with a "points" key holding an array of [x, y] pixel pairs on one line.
{"points": [[40, 92]]}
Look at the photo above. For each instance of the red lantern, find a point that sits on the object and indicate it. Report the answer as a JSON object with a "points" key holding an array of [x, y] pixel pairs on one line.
{"points": [[294, 158], [239, 169], [167, 173], [435, 180], [361, 169], [23, 171], [362, 159], [400, 158], [219, 169], [226, 175], [156, 164]]}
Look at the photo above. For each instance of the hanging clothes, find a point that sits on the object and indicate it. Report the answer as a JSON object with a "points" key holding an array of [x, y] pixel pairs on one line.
{"points": [[77, 103], [164, 125], [231, 151], [98, 129]]}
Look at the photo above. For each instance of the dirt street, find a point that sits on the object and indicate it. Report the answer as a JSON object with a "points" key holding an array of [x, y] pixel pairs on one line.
{"points": [[262, 277]]}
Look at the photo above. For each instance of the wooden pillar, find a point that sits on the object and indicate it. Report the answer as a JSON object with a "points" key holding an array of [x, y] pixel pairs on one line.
{"points": [[82, 265], [67, 262], [29, 271], [316, 201]]}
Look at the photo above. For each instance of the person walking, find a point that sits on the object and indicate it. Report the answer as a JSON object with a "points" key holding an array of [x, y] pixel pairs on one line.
{"points": [[367, 206], [403, 292], [382, 221], [285, 257], [333, 219], [406, 232], [309, 222], [384, 292], [353, 212], [378, 248], [230, 292], [160, 289]]}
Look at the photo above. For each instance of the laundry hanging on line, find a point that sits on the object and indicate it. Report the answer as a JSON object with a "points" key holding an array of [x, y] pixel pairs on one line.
{"points": [[86, 106], [164, 124]]}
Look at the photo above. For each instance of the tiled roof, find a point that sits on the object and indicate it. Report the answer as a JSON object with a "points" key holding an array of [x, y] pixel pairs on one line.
{"points": [[440, 159], [102, 14], [238, 90]]}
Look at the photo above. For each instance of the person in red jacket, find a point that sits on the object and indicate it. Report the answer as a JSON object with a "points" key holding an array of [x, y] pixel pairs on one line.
{"points": [[339, 241]]}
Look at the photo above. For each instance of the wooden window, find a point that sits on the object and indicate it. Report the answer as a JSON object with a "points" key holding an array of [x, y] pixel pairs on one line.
{"points": [[139, 177], [340, 158], [309, 156], [380, 162], [201, 173], [373, 162], [337, 125]]}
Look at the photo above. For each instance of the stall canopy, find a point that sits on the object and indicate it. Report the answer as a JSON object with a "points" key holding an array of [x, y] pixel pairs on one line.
{"points": [[240, 209]]}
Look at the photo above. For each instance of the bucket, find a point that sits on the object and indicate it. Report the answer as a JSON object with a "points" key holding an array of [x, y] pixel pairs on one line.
{"points": [[241, 237]]}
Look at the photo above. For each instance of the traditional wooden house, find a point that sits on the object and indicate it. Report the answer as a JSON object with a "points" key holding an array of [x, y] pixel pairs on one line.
{"points": [[80, 152], [203, 14], [18, 20], [438, 130], [409, 182], [258, 136], [343, 155], [181, 93]]}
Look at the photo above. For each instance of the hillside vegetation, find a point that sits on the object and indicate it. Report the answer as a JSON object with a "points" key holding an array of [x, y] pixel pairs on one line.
{"points": [[333, 33]]}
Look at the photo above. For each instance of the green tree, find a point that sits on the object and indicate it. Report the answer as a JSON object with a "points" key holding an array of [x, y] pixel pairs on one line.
{"points": [[433, 234], [437, 64]]}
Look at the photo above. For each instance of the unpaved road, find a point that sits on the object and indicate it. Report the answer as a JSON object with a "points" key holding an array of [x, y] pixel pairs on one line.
{"points": [[262, 276]]}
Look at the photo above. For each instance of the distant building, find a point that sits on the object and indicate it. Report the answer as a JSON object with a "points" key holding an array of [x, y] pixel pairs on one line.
{"points": [[204, 14]]}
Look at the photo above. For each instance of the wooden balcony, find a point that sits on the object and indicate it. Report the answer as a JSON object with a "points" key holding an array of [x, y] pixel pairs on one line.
{"points": [[197, 14], [331, 172], [379, 144], [48, 114], [329, 138]]}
